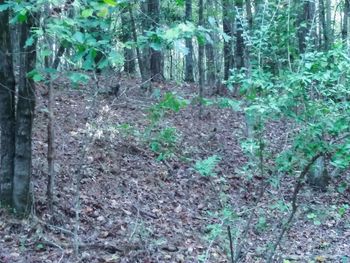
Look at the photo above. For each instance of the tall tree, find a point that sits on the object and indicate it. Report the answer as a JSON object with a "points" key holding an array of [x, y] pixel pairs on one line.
{"points": [[346, 17], [129, 59], [156, 67], [7, 112], [189, 77], [305, 21], [326, 22], [24, 122], [209, 48], [227, 23], [239, 47], [200, 57]]}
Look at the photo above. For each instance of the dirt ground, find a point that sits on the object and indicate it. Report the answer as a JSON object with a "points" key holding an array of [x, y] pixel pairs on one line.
{"points": [[134, 208]]}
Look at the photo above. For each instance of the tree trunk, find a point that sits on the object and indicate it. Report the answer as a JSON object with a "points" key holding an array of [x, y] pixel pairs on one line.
{"points": [[7, 112], [189, 77], [24, 120], [156, 68], [140, 59], [344, 31], [200, 59], [211, 69], [227, 23], [305, 19], [325, 19], [129, 59], [239, 48]]}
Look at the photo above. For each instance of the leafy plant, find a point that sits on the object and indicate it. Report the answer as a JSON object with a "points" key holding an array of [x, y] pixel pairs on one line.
{"points": [[207, 166]]}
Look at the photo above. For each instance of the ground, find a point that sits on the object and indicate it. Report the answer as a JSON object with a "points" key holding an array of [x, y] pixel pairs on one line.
{"points": [[135, 208]]}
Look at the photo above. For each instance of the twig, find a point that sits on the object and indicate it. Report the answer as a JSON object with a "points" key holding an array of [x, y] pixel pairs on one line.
{"points": [[231, 245]]}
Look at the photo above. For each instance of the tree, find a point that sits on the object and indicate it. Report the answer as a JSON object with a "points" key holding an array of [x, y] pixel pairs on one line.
{"points": [[305, 21], [189, 77], [227, 24], [239, 47], [17, 117], [7, 113], [200, 57], [155, 55], [211, 69], [129, 59]]}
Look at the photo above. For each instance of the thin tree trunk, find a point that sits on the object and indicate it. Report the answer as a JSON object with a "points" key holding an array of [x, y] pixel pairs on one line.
{"points": [[24, 120], [7, 112], [209, 51], [200, 59], [189, 76], [239, 47], [344, 30], [227, 23], [129, 59], [51, 150], [143, 69]]}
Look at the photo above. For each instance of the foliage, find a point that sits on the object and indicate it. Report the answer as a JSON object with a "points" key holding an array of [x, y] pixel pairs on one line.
{"points": [[207, 166]]}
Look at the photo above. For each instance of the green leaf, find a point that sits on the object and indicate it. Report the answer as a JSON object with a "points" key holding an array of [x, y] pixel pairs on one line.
{"points": [[29, 42], [206, 167], [87, 13], [110, 2]]}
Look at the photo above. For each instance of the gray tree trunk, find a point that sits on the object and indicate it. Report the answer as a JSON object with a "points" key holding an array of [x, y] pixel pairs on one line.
{"points": [[24, 119], [7, 112]]}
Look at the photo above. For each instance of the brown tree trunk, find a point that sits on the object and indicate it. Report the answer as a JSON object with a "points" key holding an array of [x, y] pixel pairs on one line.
{"points": [[156, 67], [7, 112]]}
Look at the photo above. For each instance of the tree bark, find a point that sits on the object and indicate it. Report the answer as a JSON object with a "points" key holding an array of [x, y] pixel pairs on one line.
{"points": [[7, 112], [156, 68], [306, 16], [211, 69], [239, 47], [24, 121], [200, 59], [227, 23], [129, 58], [189, 76], [140, 59], [346, 15]]}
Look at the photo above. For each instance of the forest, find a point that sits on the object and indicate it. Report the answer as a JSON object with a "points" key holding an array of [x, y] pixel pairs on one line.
{"points": [[174, 131]]}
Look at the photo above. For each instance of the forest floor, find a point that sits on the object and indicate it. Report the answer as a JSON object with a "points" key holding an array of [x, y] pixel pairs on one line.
{"points": [[134, 208]]}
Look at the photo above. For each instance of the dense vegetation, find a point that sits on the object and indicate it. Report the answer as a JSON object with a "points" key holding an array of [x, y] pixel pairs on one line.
{"points": [[238, 110]]}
